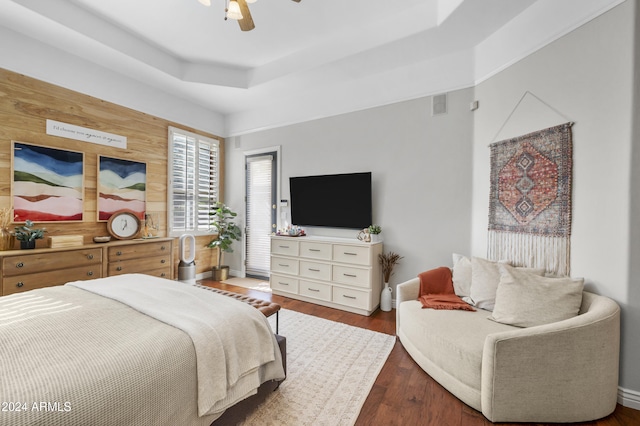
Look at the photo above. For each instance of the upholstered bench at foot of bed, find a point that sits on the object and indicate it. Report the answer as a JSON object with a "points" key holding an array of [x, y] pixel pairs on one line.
{"points": [[264, 306]]}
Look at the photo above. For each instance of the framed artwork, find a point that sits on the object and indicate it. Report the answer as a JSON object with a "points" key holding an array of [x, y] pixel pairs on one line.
{"points": [[121, 185], [47, 184]]}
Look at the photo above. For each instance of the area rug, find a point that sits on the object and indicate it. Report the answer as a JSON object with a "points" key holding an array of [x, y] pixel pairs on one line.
{"points": [[251, 283], [331, 368], [530, 199]]}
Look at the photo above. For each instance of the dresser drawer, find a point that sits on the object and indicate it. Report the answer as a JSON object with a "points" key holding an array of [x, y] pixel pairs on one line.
{"points": [[315, 290], [284, 265], [353, 276], [350, 297], [288, 284], [135, 251], [315, 250], [284, 247], [357, 255], [141, 266], [40, 262], [50, 278], [315, 270]]}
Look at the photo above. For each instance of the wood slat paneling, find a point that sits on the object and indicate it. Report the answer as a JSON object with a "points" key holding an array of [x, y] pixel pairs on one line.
{"points": [[26, 104]]}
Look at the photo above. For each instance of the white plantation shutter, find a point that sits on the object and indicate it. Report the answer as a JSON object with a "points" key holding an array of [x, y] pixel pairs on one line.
{"points": [[193, 181], [260, 215]]}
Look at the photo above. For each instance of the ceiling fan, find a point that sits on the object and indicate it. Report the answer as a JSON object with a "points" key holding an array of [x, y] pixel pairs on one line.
{"points": [[239, 10]]}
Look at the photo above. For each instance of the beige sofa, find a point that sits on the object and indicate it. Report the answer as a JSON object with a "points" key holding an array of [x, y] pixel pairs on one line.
{"points": [[565, 371]]}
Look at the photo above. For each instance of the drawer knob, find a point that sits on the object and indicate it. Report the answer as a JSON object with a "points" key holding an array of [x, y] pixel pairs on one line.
{"points": [[19, 284], [119, 268], [283, 265], [314, 249], [163, 261], [350, 254], [350, 275], [89, 256], [281, 283], [314, 270], [90, 273], [163, 274], [118, 253], [19, 265], [348, 297], [285, 247], [163, 248], [313, 289]]}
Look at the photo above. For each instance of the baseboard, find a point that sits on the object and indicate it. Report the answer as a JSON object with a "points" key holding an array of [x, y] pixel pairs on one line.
{"points": [[629, 398]]}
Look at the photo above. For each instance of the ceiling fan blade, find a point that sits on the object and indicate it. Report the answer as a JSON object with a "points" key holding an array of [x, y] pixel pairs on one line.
{"points": [[246, 23]]}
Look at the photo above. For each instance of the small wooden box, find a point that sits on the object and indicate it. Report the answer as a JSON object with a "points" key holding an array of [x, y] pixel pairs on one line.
{"points": [[66, 241]]}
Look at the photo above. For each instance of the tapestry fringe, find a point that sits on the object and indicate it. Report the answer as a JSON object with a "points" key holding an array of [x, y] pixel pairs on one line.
{"points": [[533, 251]]}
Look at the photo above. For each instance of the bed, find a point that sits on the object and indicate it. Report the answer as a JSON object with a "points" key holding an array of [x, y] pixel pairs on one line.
{"points": [[130, 350]]}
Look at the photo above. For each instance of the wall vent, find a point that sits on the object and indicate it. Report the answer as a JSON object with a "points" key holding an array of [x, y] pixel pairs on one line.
{"points": [[439, 104]]}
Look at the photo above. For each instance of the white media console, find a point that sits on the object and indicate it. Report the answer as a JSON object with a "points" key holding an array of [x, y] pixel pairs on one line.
{"points": [[341, 273]]}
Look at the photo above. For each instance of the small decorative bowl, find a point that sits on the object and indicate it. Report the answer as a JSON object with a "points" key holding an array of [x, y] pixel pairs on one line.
{"points": [[104, 239]]}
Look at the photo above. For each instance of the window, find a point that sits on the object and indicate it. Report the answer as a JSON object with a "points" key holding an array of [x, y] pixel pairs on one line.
{"points": [[193, 181]]}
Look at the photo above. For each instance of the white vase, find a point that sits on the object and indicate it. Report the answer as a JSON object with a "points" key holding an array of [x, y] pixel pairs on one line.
{"points": [[385, 298]]}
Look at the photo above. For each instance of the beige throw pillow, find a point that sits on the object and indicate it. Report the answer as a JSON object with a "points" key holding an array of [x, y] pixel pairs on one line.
{"points": [[526, 300], [461, 275]]}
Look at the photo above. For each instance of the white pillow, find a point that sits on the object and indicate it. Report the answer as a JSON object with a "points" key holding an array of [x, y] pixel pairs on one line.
{"points": [[526, 300], [485, 277], [461, 276]]}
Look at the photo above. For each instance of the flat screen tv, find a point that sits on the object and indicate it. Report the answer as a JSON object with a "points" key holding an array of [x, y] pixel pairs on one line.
{"points": [[336, 201]]}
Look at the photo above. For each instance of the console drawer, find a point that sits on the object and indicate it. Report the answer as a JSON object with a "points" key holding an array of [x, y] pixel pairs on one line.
{"points": [[315, 250], [357, 255], [315, 270], [284, 247], [287, 284], [135, 251], [347, 296], [157, 266], [50, 278], [284, 265], [47, 261], [315, 290], [352, 276]]}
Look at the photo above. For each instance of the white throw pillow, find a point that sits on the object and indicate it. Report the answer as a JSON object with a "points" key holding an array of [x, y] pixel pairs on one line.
{"points": [[485, 277], [526, 300], [461, 276]]}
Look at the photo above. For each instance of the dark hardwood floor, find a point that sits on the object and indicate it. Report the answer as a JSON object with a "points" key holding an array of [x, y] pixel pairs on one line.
{"points": [[403, 393]]}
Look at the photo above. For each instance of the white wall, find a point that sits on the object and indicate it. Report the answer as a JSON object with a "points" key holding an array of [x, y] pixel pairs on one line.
{"points": [[585, 77], [421, 169]]}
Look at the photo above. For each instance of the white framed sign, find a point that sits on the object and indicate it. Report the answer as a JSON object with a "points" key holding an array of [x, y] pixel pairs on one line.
{"points": [[71, 131]]}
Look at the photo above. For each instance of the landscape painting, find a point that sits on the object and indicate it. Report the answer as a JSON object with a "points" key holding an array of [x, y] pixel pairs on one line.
{"points": [[47, 184], [121, 185]]}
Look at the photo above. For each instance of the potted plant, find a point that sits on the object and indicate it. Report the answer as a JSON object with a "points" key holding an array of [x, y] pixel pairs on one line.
{"points": [[222, 220], [375, 231], [27, 235]]}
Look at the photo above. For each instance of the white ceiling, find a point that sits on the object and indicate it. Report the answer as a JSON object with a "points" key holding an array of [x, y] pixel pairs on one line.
{"points": [[303, 60]]}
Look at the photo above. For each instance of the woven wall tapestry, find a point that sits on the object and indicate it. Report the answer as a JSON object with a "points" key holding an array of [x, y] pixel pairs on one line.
{"points": [[530, 200]]}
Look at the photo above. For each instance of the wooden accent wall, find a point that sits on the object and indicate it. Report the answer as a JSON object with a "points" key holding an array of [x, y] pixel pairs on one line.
{"points": [[26, 104]]}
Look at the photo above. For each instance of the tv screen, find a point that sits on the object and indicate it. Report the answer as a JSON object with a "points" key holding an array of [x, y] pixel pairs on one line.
{"points": [[336, 201]]}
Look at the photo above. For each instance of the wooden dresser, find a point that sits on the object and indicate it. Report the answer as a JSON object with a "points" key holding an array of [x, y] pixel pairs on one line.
{"points": [[24, 270], [336, 272]]}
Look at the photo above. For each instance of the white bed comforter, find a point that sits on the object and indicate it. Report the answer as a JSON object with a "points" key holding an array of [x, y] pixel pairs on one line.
{"points": [[75, 355], [232, 340]]}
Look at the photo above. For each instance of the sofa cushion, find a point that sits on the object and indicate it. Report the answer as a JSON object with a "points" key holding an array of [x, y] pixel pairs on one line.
{"points": [[526, 300], [453, 340]]}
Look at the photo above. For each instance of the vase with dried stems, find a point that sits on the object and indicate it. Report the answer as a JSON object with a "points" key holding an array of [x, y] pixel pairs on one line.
{"points": [[6, 236], [388, 261]]}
